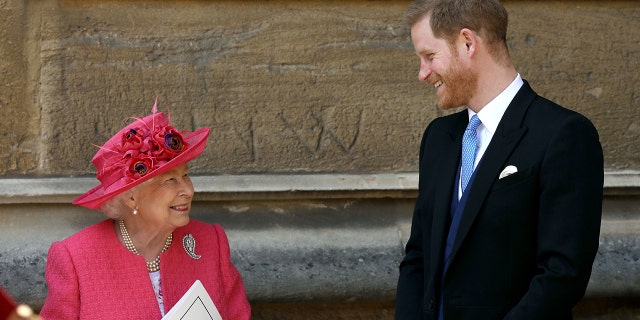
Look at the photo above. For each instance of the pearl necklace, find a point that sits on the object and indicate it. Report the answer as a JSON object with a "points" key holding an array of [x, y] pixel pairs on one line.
{"points": [[152, 266]]}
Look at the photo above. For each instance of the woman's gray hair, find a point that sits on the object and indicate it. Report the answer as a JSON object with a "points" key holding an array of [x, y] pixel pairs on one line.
{"points": [[116, 208]]}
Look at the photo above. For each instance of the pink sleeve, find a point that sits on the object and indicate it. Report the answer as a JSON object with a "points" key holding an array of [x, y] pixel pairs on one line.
{"points": [[63, 299], [236, 304]]}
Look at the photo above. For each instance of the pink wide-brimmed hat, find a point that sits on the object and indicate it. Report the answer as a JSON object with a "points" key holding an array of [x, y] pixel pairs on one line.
{"points": [[140, 151]]}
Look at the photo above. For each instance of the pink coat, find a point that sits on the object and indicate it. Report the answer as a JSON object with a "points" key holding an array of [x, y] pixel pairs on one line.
{"points": [[90, 275]]}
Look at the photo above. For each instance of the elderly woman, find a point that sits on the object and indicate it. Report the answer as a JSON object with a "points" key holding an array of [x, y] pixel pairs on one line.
{"points": [[138, 263]]}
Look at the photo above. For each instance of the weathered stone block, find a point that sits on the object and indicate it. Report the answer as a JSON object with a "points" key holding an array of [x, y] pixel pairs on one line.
{"points": [[287, 86]]}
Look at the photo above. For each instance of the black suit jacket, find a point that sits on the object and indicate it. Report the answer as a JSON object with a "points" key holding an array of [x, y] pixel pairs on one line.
{"points": [[526, 243]]}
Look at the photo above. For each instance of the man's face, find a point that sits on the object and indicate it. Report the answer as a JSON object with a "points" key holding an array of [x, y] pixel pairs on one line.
{"points": [[443, 66]]}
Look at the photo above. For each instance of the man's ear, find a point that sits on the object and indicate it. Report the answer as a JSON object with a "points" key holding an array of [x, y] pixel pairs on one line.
{"points": [[468, 41]]}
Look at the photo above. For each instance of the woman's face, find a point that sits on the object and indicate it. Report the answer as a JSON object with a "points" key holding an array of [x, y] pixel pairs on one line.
{"points": [[164, 202]]}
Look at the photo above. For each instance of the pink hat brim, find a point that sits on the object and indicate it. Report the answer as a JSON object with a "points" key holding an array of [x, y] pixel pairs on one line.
{"points": [[97, 196]]}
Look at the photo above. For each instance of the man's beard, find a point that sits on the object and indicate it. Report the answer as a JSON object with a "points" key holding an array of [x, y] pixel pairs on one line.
{"points": [[460, 84]]}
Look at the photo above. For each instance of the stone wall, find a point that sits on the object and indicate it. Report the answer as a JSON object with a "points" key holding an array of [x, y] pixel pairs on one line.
{"points": [[317, 116], [315, 245], [287, 86]]}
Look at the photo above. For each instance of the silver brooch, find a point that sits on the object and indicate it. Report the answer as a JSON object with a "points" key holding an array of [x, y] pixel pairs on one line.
{"points": [[189, 245]]}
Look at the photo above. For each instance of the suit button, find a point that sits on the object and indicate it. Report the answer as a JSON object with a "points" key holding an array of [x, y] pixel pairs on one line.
{"points": [[432, 305]]}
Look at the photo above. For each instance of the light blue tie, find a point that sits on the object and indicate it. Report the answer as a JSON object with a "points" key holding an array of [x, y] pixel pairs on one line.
{"points": [[469, 147]]}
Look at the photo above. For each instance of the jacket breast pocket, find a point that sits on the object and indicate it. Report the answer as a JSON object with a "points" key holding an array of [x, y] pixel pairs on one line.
{"points": [[515, 180]]}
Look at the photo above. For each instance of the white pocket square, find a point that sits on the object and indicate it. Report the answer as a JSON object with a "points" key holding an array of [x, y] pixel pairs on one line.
{"points": [[508, 170]]}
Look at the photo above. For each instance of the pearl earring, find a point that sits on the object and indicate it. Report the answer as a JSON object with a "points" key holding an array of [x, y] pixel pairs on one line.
{"points": [[135, 211]]}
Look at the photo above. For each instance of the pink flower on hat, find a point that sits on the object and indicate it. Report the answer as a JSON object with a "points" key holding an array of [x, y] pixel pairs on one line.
{"points": [[169, 142], [146, 149], [139, 166], [132, 139], [138, 152]]}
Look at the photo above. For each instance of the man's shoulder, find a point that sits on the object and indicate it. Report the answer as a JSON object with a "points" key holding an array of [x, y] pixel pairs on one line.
{"points": [[540, 105], [543, 109], [451, 119], [447, 125]]}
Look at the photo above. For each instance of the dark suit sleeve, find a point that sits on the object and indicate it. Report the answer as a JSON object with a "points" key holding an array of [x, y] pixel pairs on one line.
{"points": [[569, 214], [410, 283], [410, 291]]}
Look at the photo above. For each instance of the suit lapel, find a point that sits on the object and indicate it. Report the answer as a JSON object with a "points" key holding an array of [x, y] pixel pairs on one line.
{"points": [[446, 167], [507, 136]]}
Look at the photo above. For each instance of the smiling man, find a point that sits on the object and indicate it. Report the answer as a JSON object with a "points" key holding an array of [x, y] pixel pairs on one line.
{"points": [[507, 220]]}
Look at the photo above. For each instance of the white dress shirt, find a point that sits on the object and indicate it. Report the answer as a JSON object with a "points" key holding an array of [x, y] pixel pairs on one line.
{"points": [[490, 116]]}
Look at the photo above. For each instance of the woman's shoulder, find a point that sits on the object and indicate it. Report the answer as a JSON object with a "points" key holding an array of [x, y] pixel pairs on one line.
{"points": [[214, 233], [199, 226], [87, 239], [90, 232]]}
